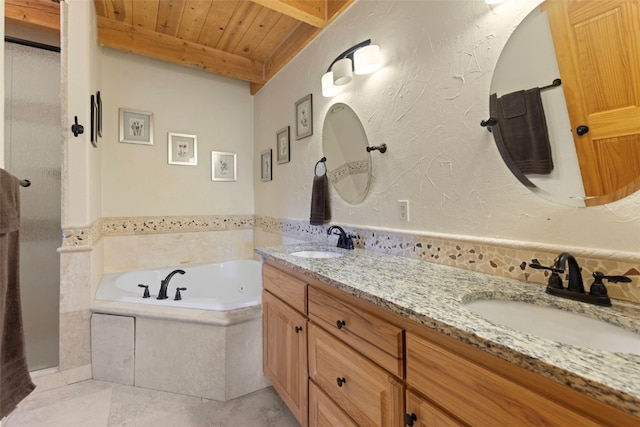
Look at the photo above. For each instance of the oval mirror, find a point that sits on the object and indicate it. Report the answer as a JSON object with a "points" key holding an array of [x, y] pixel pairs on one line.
{"points": [[566, 97], [344, 144]]}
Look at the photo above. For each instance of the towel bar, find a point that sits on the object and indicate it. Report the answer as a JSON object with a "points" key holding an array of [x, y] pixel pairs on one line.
{"points": [[25, 183]]}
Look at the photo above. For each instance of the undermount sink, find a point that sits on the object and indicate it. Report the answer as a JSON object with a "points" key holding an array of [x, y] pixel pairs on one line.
{"points": [[317, 254], [557, 325]]}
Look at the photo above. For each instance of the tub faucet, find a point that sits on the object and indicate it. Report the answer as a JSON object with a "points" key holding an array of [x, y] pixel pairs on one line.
{"points": [[344, 241], [164, 284]]}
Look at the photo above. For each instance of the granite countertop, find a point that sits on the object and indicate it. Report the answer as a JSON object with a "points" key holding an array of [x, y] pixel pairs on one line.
{"points": [[435, 295]]}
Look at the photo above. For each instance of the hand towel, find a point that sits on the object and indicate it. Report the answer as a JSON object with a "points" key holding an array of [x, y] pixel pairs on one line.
{"points": [[15, 381], [320, 210], [524, 131]]}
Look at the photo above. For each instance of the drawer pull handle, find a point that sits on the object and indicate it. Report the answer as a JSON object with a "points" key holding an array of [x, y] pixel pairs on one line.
{"points": [[340, 324], [298, 329], [341, 381], [409, 419]]}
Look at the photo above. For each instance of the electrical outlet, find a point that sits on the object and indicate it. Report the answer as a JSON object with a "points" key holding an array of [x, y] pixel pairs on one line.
{"points": [[404, 210]]}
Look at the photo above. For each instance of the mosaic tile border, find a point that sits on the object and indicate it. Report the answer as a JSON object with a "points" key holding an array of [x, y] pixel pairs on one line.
{"points": [[491, 256], [125, 226]]}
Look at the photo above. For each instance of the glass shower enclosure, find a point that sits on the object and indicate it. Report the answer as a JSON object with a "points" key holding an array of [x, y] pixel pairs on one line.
{"points": [[32, 149]]}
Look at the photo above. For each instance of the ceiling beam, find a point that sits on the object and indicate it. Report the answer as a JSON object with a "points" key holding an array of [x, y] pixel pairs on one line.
{"points": [[312, 12], [298, 39], [40, 13], [129, 38]]}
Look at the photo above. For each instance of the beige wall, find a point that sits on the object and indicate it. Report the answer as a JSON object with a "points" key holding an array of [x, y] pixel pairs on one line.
{"points": [[426, 105], [136, 179]]}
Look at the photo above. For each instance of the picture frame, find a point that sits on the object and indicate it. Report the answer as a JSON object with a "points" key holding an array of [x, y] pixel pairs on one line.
{"points": [[304, 117], [93, 126], [136, 127], [283, 145], [182, 149], [223, 166], [99, 114], [266, 170]]}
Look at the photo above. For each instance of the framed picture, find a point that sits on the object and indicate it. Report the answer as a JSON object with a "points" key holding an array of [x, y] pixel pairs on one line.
{"points": [[183, 149], [99, 114], [93, 127], [223, 166], [283, 146], [136, 127], [265, 165], [304, 117]]}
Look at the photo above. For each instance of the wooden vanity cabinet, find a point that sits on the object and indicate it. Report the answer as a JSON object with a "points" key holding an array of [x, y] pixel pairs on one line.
{"points": [[285, 339], [338, 360]]}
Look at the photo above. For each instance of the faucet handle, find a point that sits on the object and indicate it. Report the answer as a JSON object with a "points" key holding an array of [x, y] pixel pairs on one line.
{"points": [[146, 290], [178, 296], [554, 279], [598, 288]]}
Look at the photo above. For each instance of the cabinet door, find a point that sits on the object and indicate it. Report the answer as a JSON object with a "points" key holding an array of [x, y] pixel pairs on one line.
{"points": [[323, 412], [423, 414], [365, 391], [285, 353]]}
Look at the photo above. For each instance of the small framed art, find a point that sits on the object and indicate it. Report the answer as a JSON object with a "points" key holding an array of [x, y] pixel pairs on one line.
{"points": [[183, 149], [283, 146], [265, 165], [223, 166], [304, 117], [136, 127]]}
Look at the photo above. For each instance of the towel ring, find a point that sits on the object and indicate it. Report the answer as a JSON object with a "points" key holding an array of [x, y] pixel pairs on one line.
{"points": [[315, 169]]}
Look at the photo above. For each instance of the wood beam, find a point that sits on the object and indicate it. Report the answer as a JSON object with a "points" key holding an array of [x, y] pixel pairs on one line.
{"points": [[39, 13], [298, 39], [312, 12], [129, 38]]}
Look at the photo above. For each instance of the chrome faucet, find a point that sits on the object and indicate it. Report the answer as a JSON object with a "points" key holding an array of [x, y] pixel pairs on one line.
{"points": [[164, 284], [344, 241]]}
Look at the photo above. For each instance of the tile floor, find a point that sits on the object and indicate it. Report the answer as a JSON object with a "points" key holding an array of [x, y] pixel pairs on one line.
{"points": [[93, 403]]}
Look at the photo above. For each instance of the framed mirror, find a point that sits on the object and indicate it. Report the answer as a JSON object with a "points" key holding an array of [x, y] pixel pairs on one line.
{"points": [[344, 143], [576, 143]]}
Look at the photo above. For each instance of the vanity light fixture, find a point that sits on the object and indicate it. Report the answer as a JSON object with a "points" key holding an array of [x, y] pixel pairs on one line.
{"points": [[363, 58]]}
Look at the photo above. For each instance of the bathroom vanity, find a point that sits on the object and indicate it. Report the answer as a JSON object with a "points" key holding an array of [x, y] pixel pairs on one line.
{"points": [[366, 339]]}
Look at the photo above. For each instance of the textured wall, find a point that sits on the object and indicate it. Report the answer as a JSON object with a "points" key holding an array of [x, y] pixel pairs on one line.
{"points": [[426, 105]]}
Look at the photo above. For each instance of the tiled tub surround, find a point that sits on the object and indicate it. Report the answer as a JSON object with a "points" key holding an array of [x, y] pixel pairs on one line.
{"points": [[434, 296], [209, 354], [124, 244]]}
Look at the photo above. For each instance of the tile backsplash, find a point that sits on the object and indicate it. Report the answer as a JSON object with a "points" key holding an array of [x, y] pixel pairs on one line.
{"points": [[491, 256]]}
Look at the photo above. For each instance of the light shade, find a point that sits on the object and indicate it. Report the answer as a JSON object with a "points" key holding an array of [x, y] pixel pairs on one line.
{"points": [[328, 88], [367, 59], [342, 72]]}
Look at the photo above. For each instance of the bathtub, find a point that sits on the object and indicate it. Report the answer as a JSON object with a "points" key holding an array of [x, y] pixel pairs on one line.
{"points": [[209, 344], [222, 286]]}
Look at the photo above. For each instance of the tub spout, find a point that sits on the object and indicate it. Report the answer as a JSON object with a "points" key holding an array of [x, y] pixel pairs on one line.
{"points": [[164, 284]]}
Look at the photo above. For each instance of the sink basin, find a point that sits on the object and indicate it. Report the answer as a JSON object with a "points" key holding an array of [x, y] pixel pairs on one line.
{"points": [[317, 254], [557, 325]]}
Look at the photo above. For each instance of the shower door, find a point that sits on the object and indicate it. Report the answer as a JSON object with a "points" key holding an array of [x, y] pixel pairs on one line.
{"points": [[32, 144]]}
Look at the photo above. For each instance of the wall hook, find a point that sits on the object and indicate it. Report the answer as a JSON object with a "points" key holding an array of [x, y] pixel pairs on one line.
{"points": [[382, 148], [76, 128]]}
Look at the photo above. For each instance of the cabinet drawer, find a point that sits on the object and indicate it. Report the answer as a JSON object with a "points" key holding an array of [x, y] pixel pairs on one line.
{"points": [[370, 395], [476, 395], [426, 415], [287, 288], [381, 341], [323, 412]]}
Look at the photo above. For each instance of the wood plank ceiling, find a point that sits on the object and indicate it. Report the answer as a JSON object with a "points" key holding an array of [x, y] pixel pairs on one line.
{"points": [[250, 40]]}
